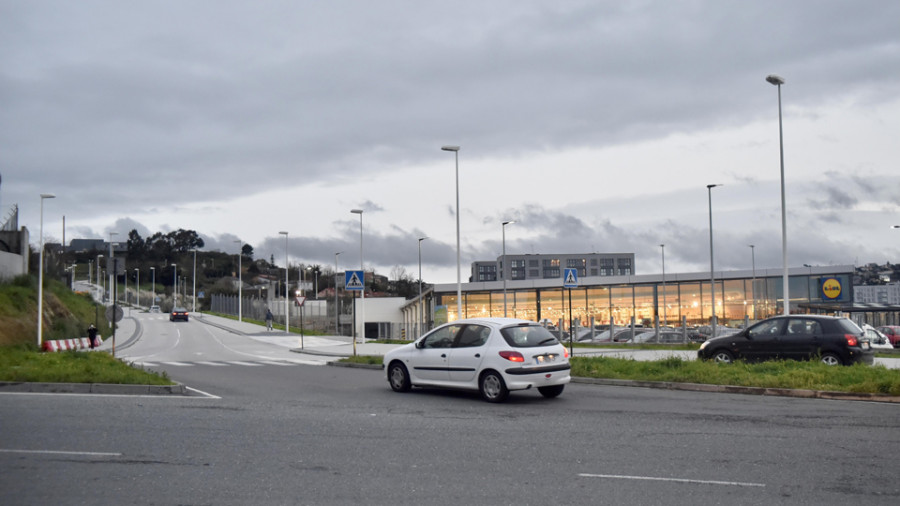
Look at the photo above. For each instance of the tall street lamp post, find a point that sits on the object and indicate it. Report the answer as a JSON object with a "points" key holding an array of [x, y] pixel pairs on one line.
{"points": [[753, 271], [459, 315], [421, 329], [194, 289], [174, 286], [662, 248], [287, 307], [362, 293], [138, 300], [153, 289], [40, 317], [778, 81], [503, 268], [336, 303], [99, 278], [240, 281], [712, 277], [111, 267]]}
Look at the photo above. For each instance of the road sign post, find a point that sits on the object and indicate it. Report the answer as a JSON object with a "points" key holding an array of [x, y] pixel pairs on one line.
{"points": [[570, 281]]}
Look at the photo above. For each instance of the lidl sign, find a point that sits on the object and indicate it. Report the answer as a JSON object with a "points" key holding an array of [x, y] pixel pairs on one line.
{"points": [[831, 288]]}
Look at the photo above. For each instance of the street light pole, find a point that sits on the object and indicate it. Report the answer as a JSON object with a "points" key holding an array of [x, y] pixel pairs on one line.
{"points": [[194, 289], [99, 278], [753, 283], [421, 329], [174, 286], [336, 306], [138, 300], [40, 316], [662, 248], [153, 272], [459, 315], [778, 81], [240, 281], [712, 277], [362, 293], [110, 263], [287, 308], [503, 263]]}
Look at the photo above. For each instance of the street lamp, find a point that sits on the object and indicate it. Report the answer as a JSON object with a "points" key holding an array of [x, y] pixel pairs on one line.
{"points": [[455, 150], [362, 293], [287, 308], [753, 283], [240, 281], [174, 286], [153, 272], [138, 301], [662, 248], [99, 279], [778, 81], [194, 289], [40, 317], [712, 277], [421, 302], [503, 263], [111, 268], [336, 307]]}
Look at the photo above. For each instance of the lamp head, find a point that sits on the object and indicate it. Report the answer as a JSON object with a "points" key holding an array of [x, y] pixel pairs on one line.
{"points": [[776, 80], [356, 211], [450, 148]]}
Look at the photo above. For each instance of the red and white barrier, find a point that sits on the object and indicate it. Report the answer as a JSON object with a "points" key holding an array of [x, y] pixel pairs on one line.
{"points": [[70, 344]]}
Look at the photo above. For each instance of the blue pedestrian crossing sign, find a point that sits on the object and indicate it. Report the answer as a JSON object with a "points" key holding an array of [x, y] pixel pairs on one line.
{"points": [[353, 280], [570, 278]]}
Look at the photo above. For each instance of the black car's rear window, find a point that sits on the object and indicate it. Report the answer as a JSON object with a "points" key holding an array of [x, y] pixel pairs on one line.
{"points": [[848, 326], [527, 336]]}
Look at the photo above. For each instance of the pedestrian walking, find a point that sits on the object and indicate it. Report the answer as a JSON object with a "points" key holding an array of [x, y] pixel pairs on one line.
{"points": [[92, 336], [269, 318]]}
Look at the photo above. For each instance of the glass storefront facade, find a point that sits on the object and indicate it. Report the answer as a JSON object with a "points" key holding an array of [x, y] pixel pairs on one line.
{"points": [[736, 299]]}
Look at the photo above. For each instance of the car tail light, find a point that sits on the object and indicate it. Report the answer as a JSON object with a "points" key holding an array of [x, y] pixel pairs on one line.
{"points": [[566, 352], [851, 340], [512, 356]]}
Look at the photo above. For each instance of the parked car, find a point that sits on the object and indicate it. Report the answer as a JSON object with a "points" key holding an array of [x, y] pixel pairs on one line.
{"points": [[493, 356], [179, 313], [892, 332], [877, 340], [833, 340]]}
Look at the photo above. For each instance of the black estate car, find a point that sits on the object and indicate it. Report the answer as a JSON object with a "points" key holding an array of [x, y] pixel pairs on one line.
{"points": [[179, 313], [833, 340]]}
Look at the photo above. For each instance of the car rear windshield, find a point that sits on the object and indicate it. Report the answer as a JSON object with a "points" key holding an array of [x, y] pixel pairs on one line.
{"points": [[848, 326], [528, 336]]}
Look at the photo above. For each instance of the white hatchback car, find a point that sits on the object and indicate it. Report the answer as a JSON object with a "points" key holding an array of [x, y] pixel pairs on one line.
{"points": [[491, 355]]}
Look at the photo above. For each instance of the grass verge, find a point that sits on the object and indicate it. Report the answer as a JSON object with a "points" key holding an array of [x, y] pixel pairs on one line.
{"points": [[775, 374], [24, 363]]}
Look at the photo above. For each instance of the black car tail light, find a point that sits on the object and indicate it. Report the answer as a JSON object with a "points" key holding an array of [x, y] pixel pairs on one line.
{"points": [[851, 340]]}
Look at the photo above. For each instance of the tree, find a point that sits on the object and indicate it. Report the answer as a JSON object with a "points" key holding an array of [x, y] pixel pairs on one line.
{"points": [[247, 251], [137, 247]]}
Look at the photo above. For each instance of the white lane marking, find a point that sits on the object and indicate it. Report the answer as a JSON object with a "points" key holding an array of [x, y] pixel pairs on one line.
{"points": [[272, 362], [677, 480], [206, 394], [177, 342], [54, 452], [180, 364], [218, 364], [238, 362]]}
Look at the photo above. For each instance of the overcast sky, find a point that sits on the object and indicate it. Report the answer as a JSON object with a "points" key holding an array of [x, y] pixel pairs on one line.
{"points": [[596, 125]]}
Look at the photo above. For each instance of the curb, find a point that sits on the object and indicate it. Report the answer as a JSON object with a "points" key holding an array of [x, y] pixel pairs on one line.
{"points": [[92, 388]]}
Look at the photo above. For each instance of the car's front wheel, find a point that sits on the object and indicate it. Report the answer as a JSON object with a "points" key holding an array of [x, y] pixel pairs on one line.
{"points": [[398, 377], [723, 357], [492, 387], [552, 391], [831, 359]]}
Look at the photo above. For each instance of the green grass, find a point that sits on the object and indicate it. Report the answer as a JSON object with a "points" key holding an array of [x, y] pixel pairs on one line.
{"points": [[363, 359], [24, 363], [775, 374]]}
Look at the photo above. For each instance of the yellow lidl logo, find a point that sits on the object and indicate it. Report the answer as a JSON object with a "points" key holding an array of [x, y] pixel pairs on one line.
{"points": [[831, 288]]}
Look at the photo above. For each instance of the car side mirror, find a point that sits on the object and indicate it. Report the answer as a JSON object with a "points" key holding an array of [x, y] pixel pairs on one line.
{"points": [[420, 344]]}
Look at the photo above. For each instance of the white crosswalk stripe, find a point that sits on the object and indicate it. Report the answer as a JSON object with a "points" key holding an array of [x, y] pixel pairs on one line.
{"points": [[249, 364], [288, 362]]}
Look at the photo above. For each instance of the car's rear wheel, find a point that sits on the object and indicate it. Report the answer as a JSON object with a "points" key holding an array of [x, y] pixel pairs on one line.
{"points": [[552, 391], [831, 359], [723, 357], [492, 387], [398, 377]]}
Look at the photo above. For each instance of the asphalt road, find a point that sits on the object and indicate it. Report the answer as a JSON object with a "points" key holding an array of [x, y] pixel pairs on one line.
{"points": [[261, 429]]}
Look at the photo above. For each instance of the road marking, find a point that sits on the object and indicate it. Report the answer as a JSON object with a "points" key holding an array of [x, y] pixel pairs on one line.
{"points": [[677, 480], [180, 364], [273, 362], [238, 362], [218, 364], [53, 452]]}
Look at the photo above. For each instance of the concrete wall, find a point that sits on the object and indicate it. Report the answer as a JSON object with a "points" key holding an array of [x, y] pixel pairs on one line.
{"points": [[13, 262]]}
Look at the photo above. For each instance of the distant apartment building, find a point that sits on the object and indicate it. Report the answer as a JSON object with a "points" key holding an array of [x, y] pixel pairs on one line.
{"points": [[552, 266], [887, 295]]}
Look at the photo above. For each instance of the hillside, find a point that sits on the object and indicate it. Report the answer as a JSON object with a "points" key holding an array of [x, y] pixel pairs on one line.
{"points": [[66, 314]]}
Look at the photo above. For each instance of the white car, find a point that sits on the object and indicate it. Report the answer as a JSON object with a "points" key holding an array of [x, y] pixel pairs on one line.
{"points": [[876, 338], [491, 355]]}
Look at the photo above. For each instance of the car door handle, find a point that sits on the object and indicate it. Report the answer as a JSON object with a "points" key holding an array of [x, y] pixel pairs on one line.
{"points": [[478, 355], [443, 355]]}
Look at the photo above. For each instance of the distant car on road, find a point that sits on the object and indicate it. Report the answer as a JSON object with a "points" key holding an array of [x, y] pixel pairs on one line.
{"points": [[179, 313], [154, 309], [892, 332], [833, 340], [493, 356]]}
